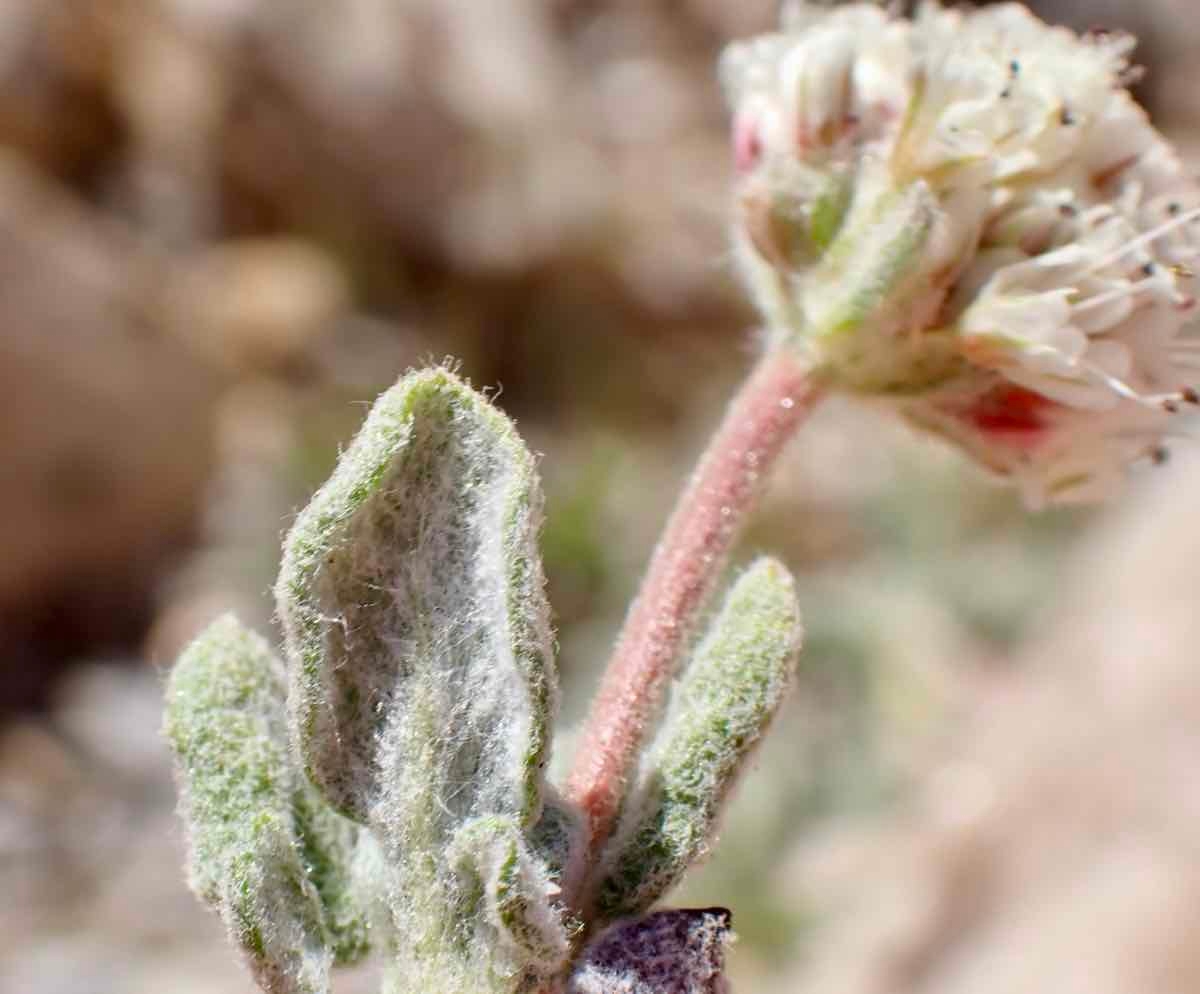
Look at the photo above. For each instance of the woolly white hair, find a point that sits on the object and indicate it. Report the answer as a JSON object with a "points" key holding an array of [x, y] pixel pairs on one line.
{"points": [[423, 680]]}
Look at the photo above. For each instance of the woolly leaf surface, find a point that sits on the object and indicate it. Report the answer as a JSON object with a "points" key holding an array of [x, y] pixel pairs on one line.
{"points": [[559, 839], [517, 911], [264, 849], [722, 706], [411, 594]]}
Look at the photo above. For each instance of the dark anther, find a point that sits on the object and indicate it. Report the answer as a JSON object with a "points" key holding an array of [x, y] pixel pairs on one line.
{"points": [[1174, 208], [1191, 395], [1159, 455], [1148, 269], [1065, 117]]}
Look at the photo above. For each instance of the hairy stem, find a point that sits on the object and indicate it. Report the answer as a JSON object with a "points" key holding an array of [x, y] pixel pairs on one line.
{"points": [[689, 558]]}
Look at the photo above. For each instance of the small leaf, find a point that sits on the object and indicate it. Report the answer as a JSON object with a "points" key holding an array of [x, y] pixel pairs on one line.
{"points": [[669, 952], [723, 705], [516, 893], [264, 849], [559, 839], [344, 864], [412, 600]]}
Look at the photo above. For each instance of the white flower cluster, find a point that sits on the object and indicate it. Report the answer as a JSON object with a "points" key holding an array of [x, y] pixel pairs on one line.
{"points": [[967, 212]]}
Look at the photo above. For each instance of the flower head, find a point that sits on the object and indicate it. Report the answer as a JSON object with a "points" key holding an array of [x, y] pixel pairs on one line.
{"points": [[968, 214]]}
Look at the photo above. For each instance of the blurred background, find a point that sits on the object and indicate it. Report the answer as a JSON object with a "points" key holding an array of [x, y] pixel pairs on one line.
{"points": [[225, 225]]}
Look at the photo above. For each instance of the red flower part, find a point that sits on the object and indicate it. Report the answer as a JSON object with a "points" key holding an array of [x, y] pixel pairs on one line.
{"points": [[1012, 416]]}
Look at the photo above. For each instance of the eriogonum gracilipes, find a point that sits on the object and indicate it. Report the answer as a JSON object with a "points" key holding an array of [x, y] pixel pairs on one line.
{"points": [[963, 215]]}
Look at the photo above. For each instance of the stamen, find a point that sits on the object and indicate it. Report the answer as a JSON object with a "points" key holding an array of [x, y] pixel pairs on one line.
{"points": [[1168, 402], [1120, 387], [1098, 375], [1143, 240], [1181, 396], [1119, 293]]}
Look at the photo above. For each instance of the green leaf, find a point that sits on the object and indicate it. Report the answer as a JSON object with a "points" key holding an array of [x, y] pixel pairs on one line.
{"points": [[516, 893], [721, 708], [560, 839], [344, 863], [264, 849], [411, 594]]}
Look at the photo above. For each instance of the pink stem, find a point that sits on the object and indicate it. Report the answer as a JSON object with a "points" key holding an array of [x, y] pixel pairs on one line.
{"points": [[690, 557]]}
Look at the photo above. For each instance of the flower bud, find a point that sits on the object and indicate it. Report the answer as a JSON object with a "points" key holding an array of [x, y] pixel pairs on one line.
{"points": [[967, 214]]}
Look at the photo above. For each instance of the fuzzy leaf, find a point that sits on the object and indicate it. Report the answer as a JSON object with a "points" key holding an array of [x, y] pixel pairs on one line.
{"points": [[560, 839], [516, 894], [721, 708], [264, 849], [412, 599], [669, 952], [344, 863]]}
